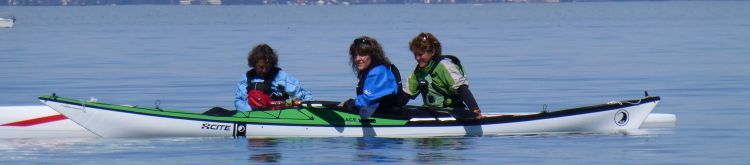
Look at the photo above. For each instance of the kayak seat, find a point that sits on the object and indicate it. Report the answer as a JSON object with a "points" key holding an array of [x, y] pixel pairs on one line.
{"points": [[219, 111]]}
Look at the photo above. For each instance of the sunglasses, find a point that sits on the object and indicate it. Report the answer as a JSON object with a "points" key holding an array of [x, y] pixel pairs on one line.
{"points": [[361, 41], [423, 37], [422, 42]]}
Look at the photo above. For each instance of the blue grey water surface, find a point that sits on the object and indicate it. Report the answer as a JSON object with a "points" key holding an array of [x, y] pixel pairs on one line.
{"points": [[695, 55]]}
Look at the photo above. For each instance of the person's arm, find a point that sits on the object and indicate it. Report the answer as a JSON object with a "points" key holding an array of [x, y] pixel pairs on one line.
{"points": [[468, 98], [378, 84], [292, 86], [411, 86], [240, 96], [460, 85]]}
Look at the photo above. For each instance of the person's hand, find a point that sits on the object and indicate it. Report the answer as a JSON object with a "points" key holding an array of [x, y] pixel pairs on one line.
{"points": [[349, 105], [478, 112], [296, 102]]}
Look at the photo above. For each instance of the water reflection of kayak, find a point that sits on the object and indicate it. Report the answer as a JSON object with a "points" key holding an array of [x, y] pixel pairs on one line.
{"points": [[315, 119]]}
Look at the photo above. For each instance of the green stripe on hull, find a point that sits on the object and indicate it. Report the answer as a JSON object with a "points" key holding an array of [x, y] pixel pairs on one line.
{"points": [[301, 116]]}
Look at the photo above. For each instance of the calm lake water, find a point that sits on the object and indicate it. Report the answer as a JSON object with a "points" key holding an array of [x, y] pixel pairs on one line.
{"points": [[517, 56]]}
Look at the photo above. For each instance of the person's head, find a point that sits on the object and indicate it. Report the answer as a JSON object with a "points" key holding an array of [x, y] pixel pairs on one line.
{"points": [[425, 47], [365, 53], [262, 58]]}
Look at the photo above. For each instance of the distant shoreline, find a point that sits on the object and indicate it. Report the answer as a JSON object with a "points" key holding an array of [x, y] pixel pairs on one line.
{"points": [[274, 2]]}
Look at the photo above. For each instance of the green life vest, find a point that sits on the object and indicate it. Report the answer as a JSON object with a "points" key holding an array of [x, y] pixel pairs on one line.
{"points": [[436, 92]]}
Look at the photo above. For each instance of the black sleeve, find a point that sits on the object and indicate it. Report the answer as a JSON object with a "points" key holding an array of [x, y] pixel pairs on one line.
{"points": [[402, 98], [465, 93]]}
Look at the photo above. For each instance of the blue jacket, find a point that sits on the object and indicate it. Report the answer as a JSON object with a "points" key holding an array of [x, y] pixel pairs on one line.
{"points": [[380, 82], [291, 86]]}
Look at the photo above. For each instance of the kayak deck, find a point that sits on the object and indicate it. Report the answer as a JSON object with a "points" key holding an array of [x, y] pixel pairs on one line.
{"points": [[336, 117]]}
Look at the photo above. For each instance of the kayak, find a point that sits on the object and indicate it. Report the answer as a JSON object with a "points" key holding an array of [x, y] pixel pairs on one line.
{"points": [[37, 122], [321, 119], [41, 121], [317, 120]]}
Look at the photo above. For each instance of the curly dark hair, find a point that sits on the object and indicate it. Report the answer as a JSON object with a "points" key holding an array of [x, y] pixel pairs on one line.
{"points": [[262, 52], [426, 42], [367, 45]]}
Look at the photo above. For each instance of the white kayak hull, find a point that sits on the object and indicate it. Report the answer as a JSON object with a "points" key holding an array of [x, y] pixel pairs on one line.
{"points": [[654, 120], [114, 123]]}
